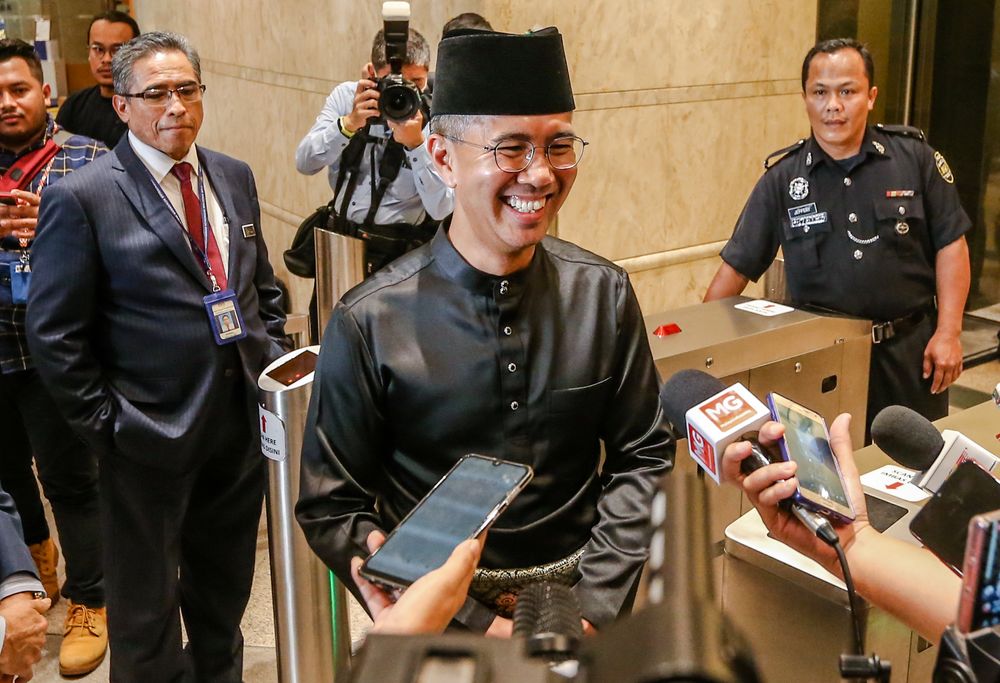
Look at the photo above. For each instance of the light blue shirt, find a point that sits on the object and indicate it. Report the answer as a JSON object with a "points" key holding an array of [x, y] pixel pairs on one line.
{"points": [[416, 192]]}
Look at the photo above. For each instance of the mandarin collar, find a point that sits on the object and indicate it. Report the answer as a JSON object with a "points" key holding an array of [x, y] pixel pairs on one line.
{"points": [[454, 267]]}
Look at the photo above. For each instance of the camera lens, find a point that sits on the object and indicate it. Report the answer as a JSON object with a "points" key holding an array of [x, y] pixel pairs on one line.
{"points": [[399, 99]]}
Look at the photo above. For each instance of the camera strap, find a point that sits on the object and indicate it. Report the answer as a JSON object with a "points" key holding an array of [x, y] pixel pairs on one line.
{"points": [[388, 171]]}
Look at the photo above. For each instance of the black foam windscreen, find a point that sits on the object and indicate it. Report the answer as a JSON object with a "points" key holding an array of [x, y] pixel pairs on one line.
{"points": [[907, 437], [547, 615], [684, 390]]}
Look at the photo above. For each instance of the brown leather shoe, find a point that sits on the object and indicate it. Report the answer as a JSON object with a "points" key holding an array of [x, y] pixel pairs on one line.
{"points": [[85, 640], [46, 557]]}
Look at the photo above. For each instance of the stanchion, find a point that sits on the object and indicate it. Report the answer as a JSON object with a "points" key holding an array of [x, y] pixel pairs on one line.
{"points": [[311, 626]]}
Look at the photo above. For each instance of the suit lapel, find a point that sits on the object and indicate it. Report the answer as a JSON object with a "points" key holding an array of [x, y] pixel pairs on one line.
{"points": [[136, 184], [221, 185]]}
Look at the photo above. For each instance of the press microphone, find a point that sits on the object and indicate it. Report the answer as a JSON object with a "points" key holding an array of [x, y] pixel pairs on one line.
{"points": [[910, 439], [547, 616], [715, 416]]}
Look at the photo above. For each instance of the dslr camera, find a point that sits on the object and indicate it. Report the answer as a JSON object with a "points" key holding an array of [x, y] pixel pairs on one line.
{"points": [[399, 99]]}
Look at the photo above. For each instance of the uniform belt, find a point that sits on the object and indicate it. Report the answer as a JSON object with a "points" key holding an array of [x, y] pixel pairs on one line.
{"points": [[886, 330]]}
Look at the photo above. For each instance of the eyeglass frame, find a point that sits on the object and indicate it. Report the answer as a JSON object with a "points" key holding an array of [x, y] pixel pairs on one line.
{"points": [[102, 50], [171, 92], [530, 156]]}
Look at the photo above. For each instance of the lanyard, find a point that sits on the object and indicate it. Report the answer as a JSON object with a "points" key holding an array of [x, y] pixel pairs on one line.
{"points": [[203, 255]]}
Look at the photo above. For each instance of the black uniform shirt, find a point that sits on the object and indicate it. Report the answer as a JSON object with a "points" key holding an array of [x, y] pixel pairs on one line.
{"points": [[431, 359], [899, 191]]}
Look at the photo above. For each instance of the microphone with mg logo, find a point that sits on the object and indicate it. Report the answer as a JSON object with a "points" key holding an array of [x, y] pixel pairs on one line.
{"points": [[714, 416]]}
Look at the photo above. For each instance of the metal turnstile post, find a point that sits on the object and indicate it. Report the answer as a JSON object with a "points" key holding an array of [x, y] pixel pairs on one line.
{"points": [[311, 626], [340, 264]]}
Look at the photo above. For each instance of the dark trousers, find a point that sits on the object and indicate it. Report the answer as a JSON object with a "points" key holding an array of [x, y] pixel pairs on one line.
{"points": [[17, 476], [896, 376], [68, 473], [183, 544]]}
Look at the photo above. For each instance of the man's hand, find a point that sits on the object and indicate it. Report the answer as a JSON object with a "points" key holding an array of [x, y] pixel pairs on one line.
{"points": [[770, 485], [20, 220], [365, 101], [25, 635], [427, 606], [943, 357], [729, 472], [409, 133]]}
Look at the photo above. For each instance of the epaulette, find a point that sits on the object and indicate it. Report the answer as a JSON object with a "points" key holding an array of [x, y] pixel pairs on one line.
{"points": [[782, 153], [908, 131]]}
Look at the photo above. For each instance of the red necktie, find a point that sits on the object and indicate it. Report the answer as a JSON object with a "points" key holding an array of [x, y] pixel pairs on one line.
{"points": [[192, 211]]}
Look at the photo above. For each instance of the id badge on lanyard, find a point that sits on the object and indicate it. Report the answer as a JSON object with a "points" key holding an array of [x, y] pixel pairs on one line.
{"points": [[20, 279], [222, 306]]}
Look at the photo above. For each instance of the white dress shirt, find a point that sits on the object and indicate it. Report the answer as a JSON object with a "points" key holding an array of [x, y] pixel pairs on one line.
{"points": [[159, 165]]}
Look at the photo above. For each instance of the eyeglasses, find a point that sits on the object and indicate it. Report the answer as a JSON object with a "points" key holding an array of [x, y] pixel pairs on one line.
{"points": [[99, 50], [513, 156], [158, 97]]}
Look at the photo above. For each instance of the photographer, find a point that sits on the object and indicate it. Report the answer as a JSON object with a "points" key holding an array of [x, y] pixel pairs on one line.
{"points": [[408, 207]]}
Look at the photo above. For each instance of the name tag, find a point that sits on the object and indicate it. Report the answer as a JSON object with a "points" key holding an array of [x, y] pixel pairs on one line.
{"points": [[224, 317], [20, 280]]}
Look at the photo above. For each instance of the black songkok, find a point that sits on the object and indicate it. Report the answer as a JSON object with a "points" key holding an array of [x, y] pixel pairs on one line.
{"points": [[498, 74]]}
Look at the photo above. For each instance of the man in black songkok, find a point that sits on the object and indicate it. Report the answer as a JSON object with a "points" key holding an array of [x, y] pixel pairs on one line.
{"points": [[495, 339]]}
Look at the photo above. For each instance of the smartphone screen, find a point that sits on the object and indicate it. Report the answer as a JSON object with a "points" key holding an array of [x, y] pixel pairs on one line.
{"points": [[980, 606], [462, 505], [943, 523], [807, 442]]}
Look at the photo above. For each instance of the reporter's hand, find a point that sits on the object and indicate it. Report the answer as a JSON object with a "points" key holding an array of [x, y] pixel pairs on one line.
{"points": [[427, 606], [409, 133], [770, 485], [25, 635], [21, 219], [365, 101], [500, 628], [736, 452]]}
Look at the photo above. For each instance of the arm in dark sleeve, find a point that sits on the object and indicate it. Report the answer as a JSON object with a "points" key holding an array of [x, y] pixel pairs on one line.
{"points": [[946, 219], [754, 244], [272, 314], [639, 449], [337, 493], [14, 555], [62, 315]]}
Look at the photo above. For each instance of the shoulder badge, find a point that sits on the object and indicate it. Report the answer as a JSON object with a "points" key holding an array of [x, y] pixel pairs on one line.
{"points": [[879, 147], [943, 168], [782, 153], [908, 131]]}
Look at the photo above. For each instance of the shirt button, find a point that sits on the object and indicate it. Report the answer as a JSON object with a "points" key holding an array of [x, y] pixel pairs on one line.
{"points": [[508, 331], [805, 229], [511, 367], [902, 211], [514, 405], [847, 182], [852, 217], [503, 286]]}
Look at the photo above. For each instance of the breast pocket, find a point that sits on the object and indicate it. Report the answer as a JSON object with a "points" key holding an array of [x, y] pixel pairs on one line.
{"points": [[901, 222], [802, 237]]}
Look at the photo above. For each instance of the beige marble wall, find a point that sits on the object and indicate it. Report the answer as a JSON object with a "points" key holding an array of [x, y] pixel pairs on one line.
{"points": [[681, 102]]}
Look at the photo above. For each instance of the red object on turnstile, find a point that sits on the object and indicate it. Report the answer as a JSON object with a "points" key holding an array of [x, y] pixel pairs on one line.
{"points": [[667, 330]]}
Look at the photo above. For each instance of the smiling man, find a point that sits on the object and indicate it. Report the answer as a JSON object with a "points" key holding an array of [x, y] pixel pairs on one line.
{"points": [[139, 262], [870, 224], [495, 339]]}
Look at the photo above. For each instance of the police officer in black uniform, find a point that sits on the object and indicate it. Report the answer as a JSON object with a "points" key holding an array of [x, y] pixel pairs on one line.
{"points": [[870, 224]]}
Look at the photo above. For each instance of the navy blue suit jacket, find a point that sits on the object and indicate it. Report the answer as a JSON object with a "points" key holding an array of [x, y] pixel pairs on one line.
{"points": [[14, 555], [116, 320]]}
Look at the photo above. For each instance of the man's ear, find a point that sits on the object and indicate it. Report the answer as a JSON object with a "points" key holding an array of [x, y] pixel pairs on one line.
{"points": [[443, 158], [120, 105]]}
